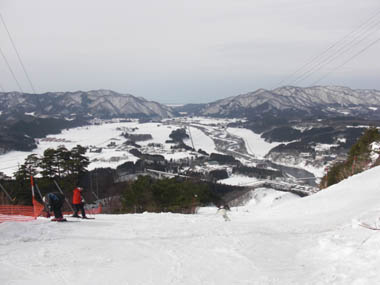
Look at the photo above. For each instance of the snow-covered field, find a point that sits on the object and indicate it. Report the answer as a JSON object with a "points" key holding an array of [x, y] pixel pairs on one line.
{"points": [[239, 180], [202, 131], [272, 240], [101, 136]]}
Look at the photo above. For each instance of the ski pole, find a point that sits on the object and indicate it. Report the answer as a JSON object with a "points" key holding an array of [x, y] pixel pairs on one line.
{"points": [[67, 201]]}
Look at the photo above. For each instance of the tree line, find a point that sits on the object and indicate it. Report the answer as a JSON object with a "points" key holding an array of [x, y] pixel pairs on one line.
{"points": [[54, 163], [357, 161], [166, 195], [67, 166]]}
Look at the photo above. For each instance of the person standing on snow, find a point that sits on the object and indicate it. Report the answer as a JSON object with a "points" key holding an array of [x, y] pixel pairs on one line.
{"points": [[78, 202], [54, 202], [223, 212]]}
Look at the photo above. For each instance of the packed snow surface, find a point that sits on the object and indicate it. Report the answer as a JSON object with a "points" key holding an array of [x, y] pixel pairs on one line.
{"points": [[255, 144], [239, 180], [262, 198], [200, 140], [312, 240]]}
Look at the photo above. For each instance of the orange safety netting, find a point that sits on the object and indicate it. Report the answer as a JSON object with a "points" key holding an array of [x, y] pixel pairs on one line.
{"points": [[20, 213], [95, 211]]}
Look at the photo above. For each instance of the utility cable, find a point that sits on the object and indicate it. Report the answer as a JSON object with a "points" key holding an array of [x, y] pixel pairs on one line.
{"points": [[326, 51], [18, 54], [10, 70], [9, 167], [355, 33], [342, 50], [347, 61], [338, 53]]}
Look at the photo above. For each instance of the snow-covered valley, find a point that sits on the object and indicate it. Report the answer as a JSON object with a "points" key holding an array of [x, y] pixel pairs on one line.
{"points": [[208, 134], [276, 238]]}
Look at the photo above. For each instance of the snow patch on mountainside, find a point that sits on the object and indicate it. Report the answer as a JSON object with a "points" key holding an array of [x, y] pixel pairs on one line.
{"points": [[254, 143], [375, 152], [201, 141], [97, 103], [290, 97], [324, 147], [239, 180]]}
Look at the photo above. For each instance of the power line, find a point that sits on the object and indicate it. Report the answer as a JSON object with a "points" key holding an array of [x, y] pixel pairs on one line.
{"points": [[315, 58], [355, 34], [9, 167], [10, 70], [326, 52], [338, 53], [18, 54], [351, 58]]}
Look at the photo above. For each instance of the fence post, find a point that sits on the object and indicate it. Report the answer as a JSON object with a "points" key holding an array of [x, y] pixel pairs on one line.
{"points": [[35, 210], [6, 193], [60, 190]]}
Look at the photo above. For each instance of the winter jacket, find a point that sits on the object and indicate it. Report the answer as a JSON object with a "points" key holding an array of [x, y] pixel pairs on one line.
{"points": [[77, 197], [55, 200]]}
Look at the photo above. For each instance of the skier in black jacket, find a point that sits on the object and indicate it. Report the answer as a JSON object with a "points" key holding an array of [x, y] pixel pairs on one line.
{"points": [[54, 201]]}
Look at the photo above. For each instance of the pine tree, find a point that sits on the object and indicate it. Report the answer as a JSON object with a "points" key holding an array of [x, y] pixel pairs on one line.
{"points": [[78, 162], [357, 161], [29, 168], [63, 161], [48, 163]]}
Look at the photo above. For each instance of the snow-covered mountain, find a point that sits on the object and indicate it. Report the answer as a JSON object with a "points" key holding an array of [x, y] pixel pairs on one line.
{"points": [[97, 103], [325, 99]]}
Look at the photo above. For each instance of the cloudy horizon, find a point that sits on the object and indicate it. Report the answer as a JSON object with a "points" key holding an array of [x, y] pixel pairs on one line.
{"points": [[188, 51]]}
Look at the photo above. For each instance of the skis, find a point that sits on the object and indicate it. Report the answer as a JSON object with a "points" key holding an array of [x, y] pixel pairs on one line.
{"points": [[58, 220], [368, 226], [65, 220], [79, 217]]}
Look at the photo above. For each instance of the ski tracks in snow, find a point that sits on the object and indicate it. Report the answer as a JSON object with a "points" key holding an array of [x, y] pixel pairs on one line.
{"points": [[203, 249]]}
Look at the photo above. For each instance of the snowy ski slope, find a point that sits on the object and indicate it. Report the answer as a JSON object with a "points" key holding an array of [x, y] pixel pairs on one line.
{"points": [[272, 240], [254, 143]]}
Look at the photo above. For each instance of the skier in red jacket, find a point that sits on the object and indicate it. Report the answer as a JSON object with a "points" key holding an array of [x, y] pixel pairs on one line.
{"points": [[78, 202]]}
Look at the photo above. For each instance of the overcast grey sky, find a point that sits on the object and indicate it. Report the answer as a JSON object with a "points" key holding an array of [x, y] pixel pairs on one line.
{"points": [[181, 51]]}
